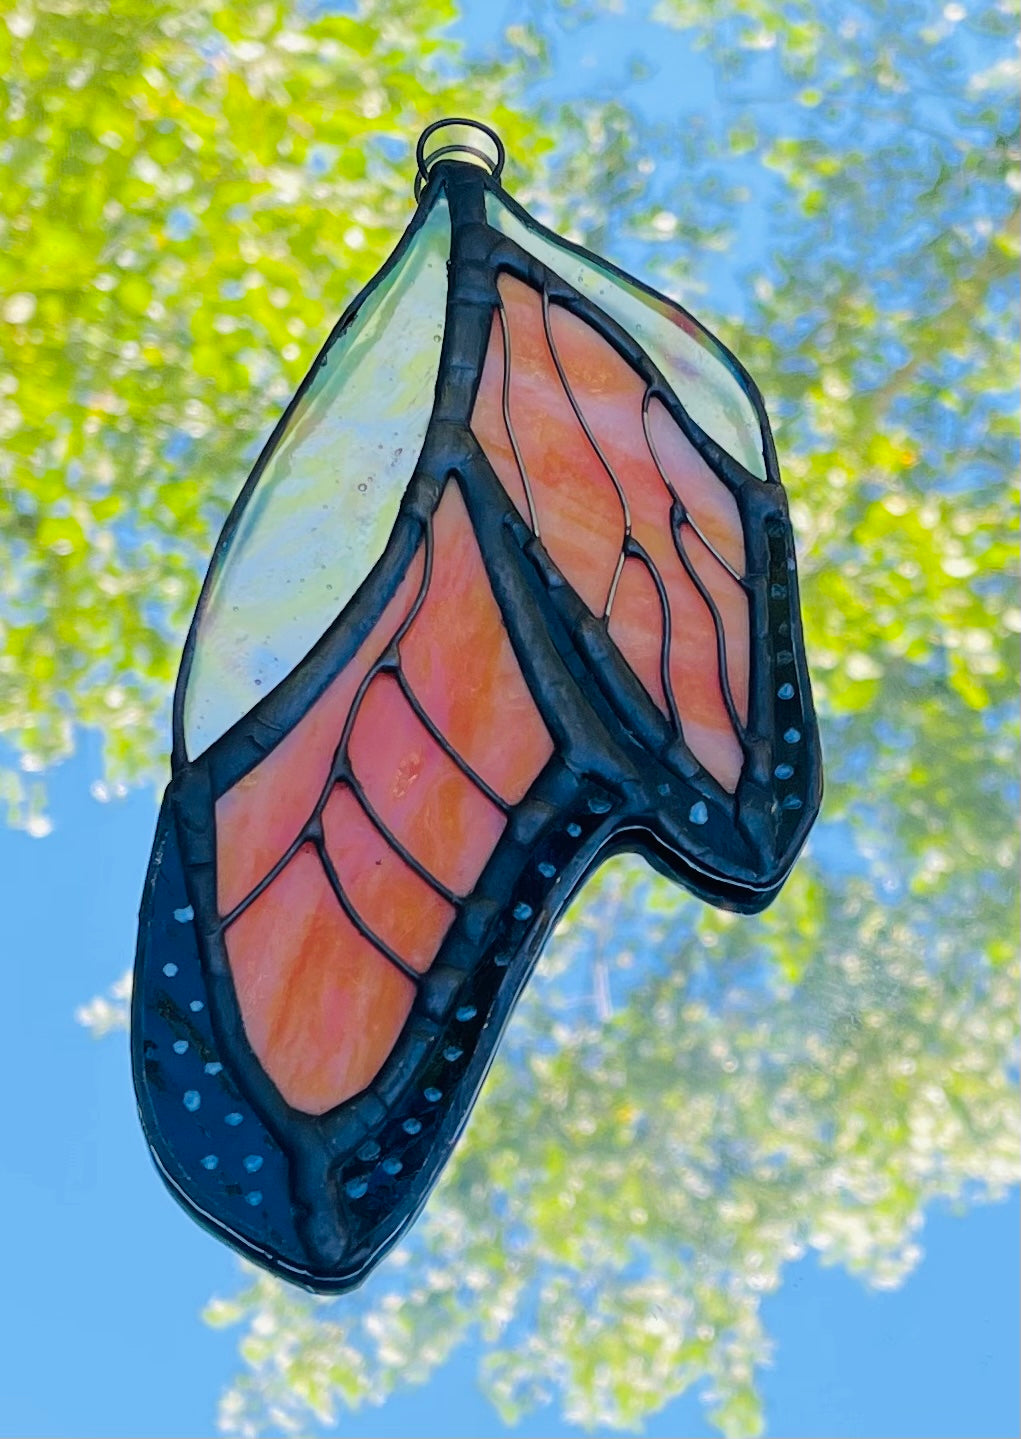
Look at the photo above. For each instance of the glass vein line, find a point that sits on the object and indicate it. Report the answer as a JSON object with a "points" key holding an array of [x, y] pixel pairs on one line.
{"points": [[355, 917], [650, 395], [529, 497], [340, 770], [441, 739], [622, 497], [634, 549], [351, 780], [677, 524]]}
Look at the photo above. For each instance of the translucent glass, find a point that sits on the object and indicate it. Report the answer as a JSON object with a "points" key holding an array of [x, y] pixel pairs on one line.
{"points": [[322, 511], [580, 519], [689, 358], [320, 1003], [295, 945]]}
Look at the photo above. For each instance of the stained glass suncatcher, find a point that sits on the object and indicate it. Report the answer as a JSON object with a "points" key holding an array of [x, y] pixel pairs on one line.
{"points": [[510, 589]]}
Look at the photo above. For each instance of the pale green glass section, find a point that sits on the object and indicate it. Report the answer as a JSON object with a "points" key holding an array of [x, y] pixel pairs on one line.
{"points": [[690, 359], [323, 509]]}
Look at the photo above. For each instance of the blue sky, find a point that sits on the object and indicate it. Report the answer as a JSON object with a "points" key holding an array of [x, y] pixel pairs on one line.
{"points": [[106, 1277]]}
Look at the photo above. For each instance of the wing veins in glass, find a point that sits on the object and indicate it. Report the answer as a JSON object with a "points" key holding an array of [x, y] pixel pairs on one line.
{"points": [[347, 866], [529, 497], [395, 903], [303, 837], [696, 579], [380, 905], [639, 552], [395, 844], [444, 743], [721, 638], [579, 511], [340, 769], [651, 395], [318, 999], [356, 919], [621, 495]]}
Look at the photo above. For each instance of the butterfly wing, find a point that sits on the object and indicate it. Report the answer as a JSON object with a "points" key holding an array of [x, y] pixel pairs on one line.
{"points": [[338, 892], [661, 528], [396, 759]]}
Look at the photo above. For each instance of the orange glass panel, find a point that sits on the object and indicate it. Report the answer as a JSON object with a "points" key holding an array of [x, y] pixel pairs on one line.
{"points": [[610, 394], [489, 425], [732, 603], [488, 716], [688, 357], [321, 1006], [636, 627], [441, 818], [581, 522], [580, 514], [388, 896], [265, 811], [712, 506]]}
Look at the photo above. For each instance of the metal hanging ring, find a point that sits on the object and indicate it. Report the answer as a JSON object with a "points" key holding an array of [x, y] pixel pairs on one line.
{"points": [[424, 162]]}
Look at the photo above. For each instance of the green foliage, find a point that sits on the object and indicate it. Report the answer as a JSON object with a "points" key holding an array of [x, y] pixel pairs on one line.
{"points": [[634, 1181], [884, 323], [191, 195], [687, 1101], [660, 1139]]}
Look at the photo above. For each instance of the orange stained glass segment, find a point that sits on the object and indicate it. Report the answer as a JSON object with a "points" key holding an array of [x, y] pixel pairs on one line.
{"points": [[267, 809], [636, 627], [565, 471], [690, 359], [580, 518], [294, 945], [321, 1006], [431, 807], [458, 660], [710, 503], [388, 896], [610, 395], [731, 602]]}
